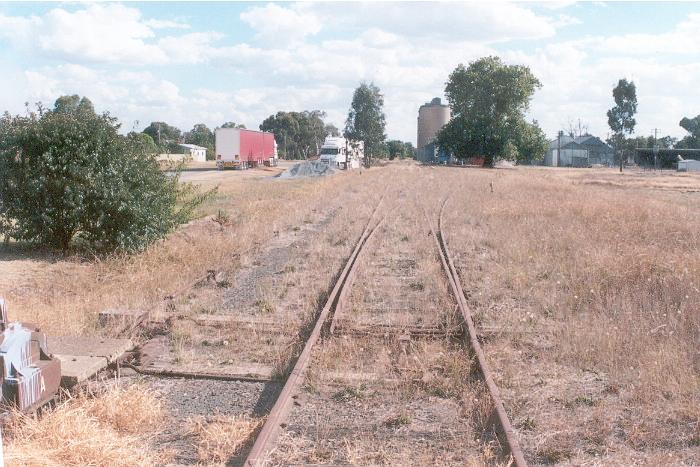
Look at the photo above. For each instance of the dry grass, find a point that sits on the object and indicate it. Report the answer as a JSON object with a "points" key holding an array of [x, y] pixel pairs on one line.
{"points": [[220, 437], [603, 269], [65, 295], [589, 277], [111, 430]]}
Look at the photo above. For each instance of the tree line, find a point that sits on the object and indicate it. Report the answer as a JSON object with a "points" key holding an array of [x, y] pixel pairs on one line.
{"points": [[622, 123], [299, 134], [489, 100], [163, 138], [70, 180]]}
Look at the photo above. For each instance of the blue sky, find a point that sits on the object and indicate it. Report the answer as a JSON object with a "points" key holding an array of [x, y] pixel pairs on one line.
{"points": [[186, 63]]}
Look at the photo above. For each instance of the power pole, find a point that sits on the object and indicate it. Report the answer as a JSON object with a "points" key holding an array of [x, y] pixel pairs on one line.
{"points": [[561, 133], [655, 149]]}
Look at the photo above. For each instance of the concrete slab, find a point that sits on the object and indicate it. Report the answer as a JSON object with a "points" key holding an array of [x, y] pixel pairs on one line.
{"points": [[110, 349], [78, 368]]}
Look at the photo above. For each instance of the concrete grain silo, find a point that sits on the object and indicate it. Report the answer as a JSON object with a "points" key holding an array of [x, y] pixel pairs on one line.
{"points": [[432, 116]]}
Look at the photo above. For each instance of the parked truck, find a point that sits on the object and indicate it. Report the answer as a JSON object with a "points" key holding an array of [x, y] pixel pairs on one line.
{"points": [[342, 153], [237, 148]]}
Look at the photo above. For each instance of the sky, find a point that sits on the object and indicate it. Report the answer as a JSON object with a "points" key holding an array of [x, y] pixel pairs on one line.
{"points": [[186, 63]]}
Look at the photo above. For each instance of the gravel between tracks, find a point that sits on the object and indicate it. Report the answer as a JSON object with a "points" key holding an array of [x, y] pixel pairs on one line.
{"points": [[186, 399]]}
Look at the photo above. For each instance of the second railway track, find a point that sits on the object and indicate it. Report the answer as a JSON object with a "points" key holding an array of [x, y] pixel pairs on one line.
{"points": [[392, 372]]}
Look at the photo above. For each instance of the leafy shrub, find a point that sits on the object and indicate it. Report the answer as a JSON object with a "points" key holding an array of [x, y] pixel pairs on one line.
{"points": [[68, 177]]}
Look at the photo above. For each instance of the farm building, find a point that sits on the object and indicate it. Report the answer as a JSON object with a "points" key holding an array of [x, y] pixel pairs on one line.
{"points": [[580, 151], [570, 154], [665, 158], [196, 153], [689, 165]]}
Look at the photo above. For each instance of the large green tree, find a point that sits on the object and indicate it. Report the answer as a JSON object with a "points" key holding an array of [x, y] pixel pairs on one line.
{"points": [[332, 130], [488, 101], [692, 139], [165, 136], [621, 117], [202, 136], [298, 134], [67, 175], [233, 125], [366, 121], [399, 149]]}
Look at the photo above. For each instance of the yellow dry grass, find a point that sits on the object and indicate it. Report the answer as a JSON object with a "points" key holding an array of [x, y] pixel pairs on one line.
{"points": [[221, 437], [65, 295], [590, 277], [113, 429], [597, 284]]}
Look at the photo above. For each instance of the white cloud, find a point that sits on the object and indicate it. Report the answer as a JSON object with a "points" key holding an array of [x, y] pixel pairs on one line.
{"points": [[683, 39], [165, 24], [483, 22], [101, 32], [577, 84], [104, 33], [281, 24], [192, 48], [18, 30], [312, 56], [558, 4]]}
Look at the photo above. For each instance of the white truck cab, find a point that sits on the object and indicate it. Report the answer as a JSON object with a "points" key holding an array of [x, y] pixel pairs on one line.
{"points": [[341, 153]]}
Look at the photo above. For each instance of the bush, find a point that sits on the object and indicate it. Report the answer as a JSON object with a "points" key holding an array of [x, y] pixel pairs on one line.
{"points": [[68, 177]]}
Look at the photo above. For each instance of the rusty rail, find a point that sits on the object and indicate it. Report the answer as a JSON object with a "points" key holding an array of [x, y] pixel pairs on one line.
{"points": [[504, 429], [344, 295], [270, 430]]}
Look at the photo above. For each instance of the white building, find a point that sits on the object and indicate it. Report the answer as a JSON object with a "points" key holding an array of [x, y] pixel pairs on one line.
{"points": [[196, 153], [689, 165]]}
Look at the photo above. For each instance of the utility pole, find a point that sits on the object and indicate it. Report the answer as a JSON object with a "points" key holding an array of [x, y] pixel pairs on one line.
{"points": [[655, 149], [561, 133]]}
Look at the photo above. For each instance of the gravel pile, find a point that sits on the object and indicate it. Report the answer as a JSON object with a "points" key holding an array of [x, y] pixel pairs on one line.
{"points": [[307, 169]]}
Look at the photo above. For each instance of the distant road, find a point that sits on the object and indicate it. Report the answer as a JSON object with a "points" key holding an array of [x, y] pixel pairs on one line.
{"points": [[205, 173]]}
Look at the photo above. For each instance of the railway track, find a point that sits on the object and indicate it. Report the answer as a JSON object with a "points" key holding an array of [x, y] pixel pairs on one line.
{"points": [[279, 411], [410, 336], [500, 417]]}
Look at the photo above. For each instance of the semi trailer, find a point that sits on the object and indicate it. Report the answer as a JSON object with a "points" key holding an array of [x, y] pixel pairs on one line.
{"points": [[237, 148], [342, 153]]}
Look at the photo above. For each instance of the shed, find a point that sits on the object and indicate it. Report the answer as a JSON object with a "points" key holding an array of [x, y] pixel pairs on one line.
{"points": [[570, 154], [689, 165], [580, 151], [196, 153]]}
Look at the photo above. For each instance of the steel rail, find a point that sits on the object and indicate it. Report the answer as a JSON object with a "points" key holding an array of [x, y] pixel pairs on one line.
{"points": [[344, 295], [505, 427], [270, 430]]}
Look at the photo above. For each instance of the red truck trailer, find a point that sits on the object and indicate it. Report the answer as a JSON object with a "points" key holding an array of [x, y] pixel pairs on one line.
{"points": [[241, 149]]}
